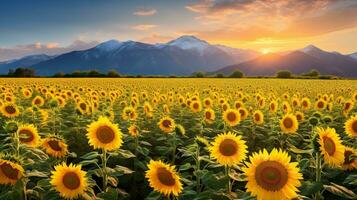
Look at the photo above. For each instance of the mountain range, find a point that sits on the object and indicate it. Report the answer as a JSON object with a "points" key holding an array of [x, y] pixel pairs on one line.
{"points": [[183, 56]]}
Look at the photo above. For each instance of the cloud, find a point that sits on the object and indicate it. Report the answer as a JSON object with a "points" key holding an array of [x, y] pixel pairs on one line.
{"points": [[249, 20], [52, 48], [144, 27], [145, 12], [156, 38]]}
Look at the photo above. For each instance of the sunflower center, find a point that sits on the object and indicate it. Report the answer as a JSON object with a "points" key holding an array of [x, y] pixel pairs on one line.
{"points": [[83, 106], [354, 126], [347, 154], [208, 115], [231, 116], [228, 147], [54, 144], [272, 106], [242, 112], [271, 175], [166, 123], [329, 145], [165, 176], [304, 103], [298, 117], [105, 134], [195, 105], [9, 171], [320, 104], [37, 101], [347, 106], [10, 109], [257, 117], [288, 122], [26, 135], [71, 180]]}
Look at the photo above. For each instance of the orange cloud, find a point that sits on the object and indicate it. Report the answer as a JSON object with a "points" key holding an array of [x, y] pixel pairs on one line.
{"points": [[52, 45], [144, 27], [38, 45], [145, 12]]}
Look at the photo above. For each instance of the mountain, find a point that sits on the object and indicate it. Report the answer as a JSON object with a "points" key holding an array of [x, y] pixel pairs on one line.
{"points": [[353, 55], [182, 56], [300, 61], [23, 62]]}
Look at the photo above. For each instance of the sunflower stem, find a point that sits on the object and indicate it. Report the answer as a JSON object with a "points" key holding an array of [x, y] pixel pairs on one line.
{"points": [[318, 173], [198, 184], [174, 148], [104, 169], [227, 169]]}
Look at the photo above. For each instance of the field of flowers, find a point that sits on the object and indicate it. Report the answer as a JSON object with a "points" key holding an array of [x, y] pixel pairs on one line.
{"points": [[265, 139]]}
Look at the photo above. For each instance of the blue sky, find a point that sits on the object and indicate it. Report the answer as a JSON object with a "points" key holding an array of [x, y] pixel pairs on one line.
{"points": [[54, 27]]}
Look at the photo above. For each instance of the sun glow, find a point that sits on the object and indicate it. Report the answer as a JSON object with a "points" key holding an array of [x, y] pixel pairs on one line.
{"points": [[266, 51]]}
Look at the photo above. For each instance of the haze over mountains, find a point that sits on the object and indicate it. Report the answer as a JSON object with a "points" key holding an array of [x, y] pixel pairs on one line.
{"points": [[183, 56]]}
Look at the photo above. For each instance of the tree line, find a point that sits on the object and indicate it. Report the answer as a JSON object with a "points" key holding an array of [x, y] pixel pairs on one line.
{"points": [[27, 72]]}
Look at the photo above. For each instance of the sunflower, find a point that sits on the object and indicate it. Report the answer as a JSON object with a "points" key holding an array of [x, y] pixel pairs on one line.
{"points": [[38, 101], [167, 124], [349, 163], [305, 102], [28, 135], [10, 172], [286, 107], [209, 115], [55, 147], [238, 104], [26, 93], [196, 106], [129, 113], [133, 130], [82, 107], [207, 102], [104, 134], [243, 113], [273, 107], [258, 117], [228, 149], [320, 104], [289, 123], [299, 116], [69, 181], [272, 176], [351, 126], [225, 106], [331, 146], [347, 107], [10, 110], [231, 117], [163, 178]]}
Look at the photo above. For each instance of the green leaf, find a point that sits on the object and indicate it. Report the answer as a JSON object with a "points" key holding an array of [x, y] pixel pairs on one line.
{"points": [[351, 179], [90, 155], [110, 194], [88, 162], [123, 170], [36, 173], [340, 191], [186, 166], [308, 188], [125, 153]]}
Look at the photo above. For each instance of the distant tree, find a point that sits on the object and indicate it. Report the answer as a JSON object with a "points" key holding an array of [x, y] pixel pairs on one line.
{"points": [[312, 73], [220, 75], [283, 74], [198, 74], [113, 73], [24, 72], [94, 73], [236, 74], [59, 74]]}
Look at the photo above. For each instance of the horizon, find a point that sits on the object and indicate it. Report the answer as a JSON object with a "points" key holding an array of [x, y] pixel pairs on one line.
{"points": [[54, 28]]}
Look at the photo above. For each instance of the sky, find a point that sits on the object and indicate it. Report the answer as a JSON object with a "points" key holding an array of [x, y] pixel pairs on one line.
{"points": [[40, 26]]}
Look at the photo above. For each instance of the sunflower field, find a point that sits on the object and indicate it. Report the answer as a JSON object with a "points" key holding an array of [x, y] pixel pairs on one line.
{"points": [[178, 138]]}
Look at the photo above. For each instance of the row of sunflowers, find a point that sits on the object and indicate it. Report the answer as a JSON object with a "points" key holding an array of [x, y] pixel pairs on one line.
{"points": [[178, 139]]}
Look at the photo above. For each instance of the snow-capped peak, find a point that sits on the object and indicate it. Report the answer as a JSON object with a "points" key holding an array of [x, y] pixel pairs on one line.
{"points": [[353, 55], [189, 42], [310, 48], [109, 45]]}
